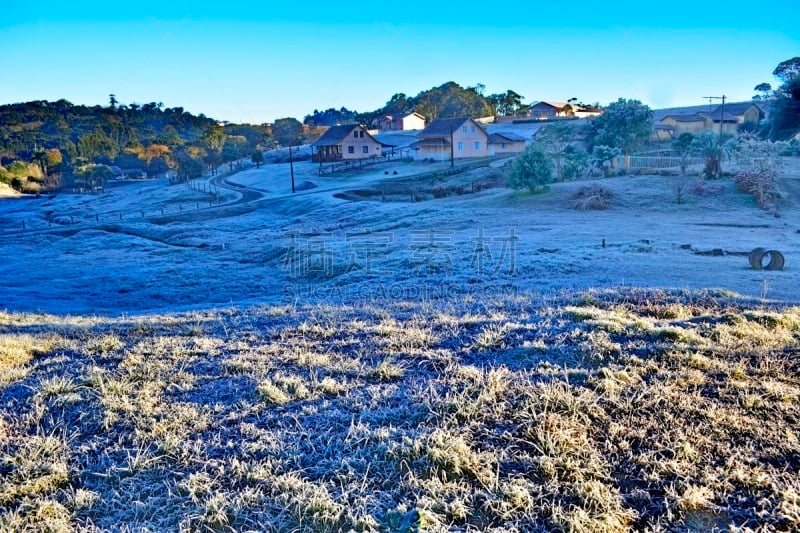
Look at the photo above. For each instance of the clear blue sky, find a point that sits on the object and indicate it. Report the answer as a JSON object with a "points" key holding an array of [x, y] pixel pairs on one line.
{"points": [[258, 61]]}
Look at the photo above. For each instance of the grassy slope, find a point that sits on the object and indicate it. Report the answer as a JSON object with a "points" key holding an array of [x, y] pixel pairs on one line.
{"points": [[598, 412]]}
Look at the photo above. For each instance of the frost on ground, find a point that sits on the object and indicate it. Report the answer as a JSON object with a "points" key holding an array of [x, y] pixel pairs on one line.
{"points": [[153, 247], [598, 411]]}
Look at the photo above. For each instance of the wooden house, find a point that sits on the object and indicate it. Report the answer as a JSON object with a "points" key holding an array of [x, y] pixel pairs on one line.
{"points": [[461, 137], [349, 141]]}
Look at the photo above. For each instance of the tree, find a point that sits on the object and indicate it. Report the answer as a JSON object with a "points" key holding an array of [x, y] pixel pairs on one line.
{"points": [[785, 108], [158, 165], [554, 139], [112, 101], [576, 162], [706, 144], [787, 70], [288, 131], [532, 169], [97, 145], [94, 176], [214, 139], [624, 124], [604, 157], [257, 157], [683, 146], [234, 149], [764, 91], [188, 167]]}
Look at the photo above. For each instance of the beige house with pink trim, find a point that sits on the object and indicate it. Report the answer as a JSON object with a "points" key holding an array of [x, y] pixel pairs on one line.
{"points": [[463, 137]]}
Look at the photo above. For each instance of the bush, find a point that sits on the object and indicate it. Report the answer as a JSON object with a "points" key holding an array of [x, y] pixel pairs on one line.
{"points": [[532, 169], [593, 196], [576, 163], [761, 185]]}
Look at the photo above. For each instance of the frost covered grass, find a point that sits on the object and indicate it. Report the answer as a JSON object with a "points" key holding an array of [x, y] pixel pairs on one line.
{"points": [[603, 411]]}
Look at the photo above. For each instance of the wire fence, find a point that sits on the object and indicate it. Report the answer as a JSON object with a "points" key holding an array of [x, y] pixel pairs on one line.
{"points": [[76, 218]]}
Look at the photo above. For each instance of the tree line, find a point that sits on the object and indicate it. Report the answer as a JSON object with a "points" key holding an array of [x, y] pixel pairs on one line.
{"points": [[445, 101], [44, 144]]}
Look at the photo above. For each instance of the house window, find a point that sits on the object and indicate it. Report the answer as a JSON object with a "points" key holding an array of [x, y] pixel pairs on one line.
{"points": [[351, 149], [460, 147], [473, 129], [477, 146], [365, 149], [361, 134], [502, 145], [463, 129], [355, 134]]}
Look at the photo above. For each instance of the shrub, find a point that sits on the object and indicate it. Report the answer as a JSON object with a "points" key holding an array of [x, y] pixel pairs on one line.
{"points": [[532, 169], [761, 185]]}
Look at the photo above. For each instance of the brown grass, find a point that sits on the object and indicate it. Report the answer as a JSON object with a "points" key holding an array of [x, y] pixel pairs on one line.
{"points": [[607, 411]]}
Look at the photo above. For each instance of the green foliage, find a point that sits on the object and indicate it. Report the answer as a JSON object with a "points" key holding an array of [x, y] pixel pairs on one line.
{"points": [[188, 167], [508, 103], [532, 169], [91, 133], [683, 143], [706, 143], [257, 157], [576, 162], [95, 145], [604, 156], [331, 117], [451, 100], [158, 165], [624, 124], [787, 70], [683, 146], [785, 110], [18, 168], [214, 138], [554, 140], [288, 131]]}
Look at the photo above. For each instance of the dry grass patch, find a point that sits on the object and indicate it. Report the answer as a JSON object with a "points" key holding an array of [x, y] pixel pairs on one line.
{"points": [[610, 411]]}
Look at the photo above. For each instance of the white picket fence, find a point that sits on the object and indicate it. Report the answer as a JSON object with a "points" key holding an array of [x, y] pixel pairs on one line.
{"points": [[656, 162]]}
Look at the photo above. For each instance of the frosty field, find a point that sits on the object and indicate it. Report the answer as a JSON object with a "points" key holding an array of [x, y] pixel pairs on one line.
{"points": [[265, 245], [390, 353]]}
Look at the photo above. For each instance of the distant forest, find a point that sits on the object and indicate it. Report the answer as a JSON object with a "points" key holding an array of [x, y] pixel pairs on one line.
{"points": [[43, 144], [446, 101]]}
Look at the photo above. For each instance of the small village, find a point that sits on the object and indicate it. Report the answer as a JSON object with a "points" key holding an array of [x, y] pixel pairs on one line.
{"points": [[249, 284]]}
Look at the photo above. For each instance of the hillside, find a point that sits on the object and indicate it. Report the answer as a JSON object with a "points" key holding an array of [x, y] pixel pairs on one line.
{"points": [[55, 143]]}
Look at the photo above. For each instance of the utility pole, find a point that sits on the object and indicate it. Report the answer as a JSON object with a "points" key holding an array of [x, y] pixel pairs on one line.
{"points": [[452, 155], [721, 124], [291, 166], [721, 113]]}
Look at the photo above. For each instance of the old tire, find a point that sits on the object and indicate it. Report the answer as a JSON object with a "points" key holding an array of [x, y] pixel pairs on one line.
{"points": [[755, 258], [776, 260]]}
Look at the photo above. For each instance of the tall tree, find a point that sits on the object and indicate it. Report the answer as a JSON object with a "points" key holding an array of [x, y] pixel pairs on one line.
{"points": [[554, 139], [288, 131], [787, 70], [785, 109], [625, 124]]}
